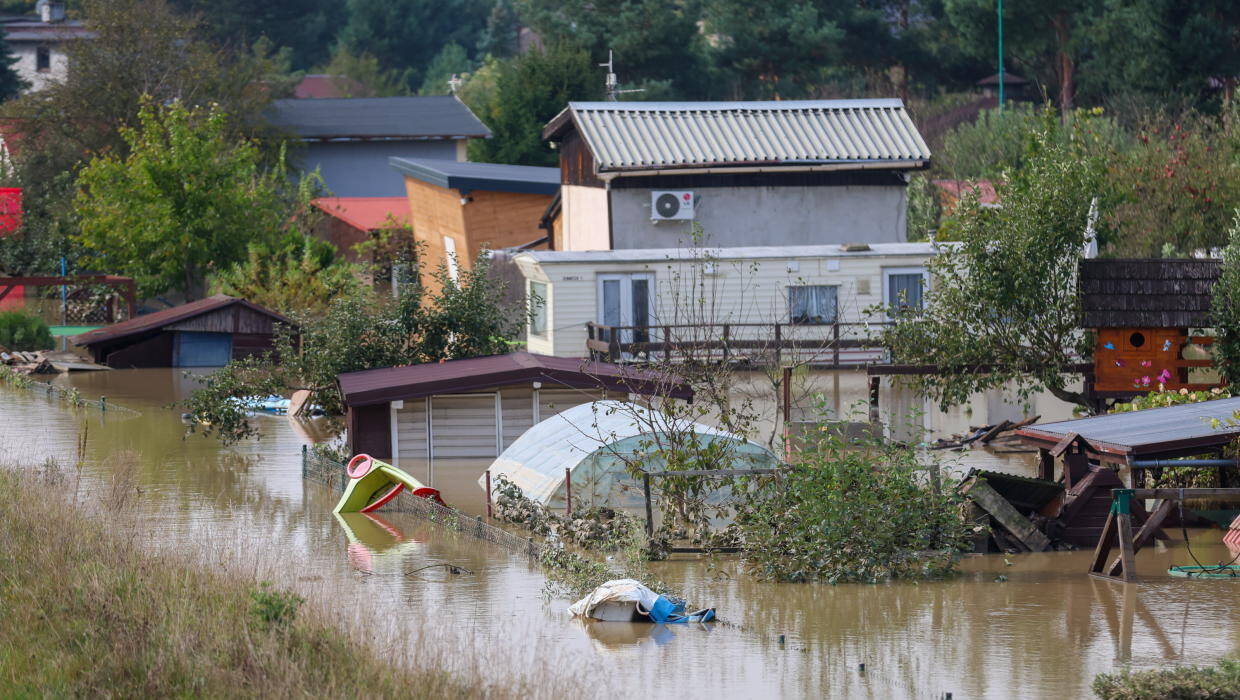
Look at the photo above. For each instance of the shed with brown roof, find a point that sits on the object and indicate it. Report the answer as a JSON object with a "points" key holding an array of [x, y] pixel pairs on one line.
{"points": [[461, 414], [204, 333]]}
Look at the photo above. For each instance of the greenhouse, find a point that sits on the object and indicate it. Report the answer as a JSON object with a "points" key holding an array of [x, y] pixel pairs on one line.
{"points": [[598, 443]]}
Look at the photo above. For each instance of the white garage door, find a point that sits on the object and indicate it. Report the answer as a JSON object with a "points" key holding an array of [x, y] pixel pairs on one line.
{"points": [[463, 426]]}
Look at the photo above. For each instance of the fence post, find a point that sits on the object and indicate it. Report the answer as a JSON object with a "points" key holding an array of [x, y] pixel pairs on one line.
{"points": [[649, 509], [667, 343], [787, 387], [303, 461], [725, 342], [779, 338], [568, 492], [488, 472], [835, 345]]}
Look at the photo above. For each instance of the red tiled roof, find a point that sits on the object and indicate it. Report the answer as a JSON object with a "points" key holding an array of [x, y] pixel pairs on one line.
{"points": [[365, 213], [955, 188], [375, 386], [159, 319], [323, 86]]}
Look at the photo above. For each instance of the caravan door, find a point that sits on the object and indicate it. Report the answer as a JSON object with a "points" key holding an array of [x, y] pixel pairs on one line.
{"points": [[627, 300]]}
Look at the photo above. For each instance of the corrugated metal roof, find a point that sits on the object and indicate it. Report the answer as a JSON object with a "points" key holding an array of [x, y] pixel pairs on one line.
{"points": [[465, 176], [375, 386], [159, 319], [738, 253], [392, 118], [1152, 430], [669, 135]]}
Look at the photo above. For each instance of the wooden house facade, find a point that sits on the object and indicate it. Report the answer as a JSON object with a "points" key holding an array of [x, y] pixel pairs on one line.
{"points": [[1150, 317], [205, 333]]}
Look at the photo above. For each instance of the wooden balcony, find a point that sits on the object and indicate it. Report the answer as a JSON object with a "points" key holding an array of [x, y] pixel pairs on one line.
{"points": [[825, 346]]}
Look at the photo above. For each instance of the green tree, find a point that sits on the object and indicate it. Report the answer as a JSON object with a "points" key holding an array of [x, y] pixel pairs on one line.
{"points": [[187, 199], [363, 330], [407, 34], [1002, 305], [11, 84], [452, 60], [305, 27], [500, 37], [774, 49], [300, 274], [1225, 308], [530, 90], [361, 75]]}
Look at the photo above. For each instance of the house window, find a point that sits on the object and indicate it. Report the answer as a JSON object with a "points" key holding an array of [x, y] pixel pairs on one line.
{"points": [[449, 249], [903, 289], [538, 308], [42, 59], [812, 304]]}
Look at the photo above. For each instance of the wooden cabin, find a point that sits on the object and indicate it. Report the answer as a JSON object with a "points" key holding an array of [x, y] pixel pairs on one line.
{"points": [[205, 333], [1149, 316]]}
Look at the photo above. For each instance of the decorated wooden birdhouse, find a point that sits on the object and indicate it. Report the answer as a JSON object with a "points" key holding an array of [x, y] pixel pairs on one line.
{"points": [[1151, 319]]}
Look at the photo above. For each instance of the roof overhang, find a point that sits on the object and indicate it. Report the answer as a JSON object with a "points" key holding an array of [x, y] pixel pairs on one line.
{"points": [[734, 169], [469, 183]]}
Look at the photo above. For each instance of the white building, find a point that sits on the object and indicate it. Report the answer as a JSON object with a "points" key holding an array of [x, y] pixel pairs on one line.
{"points": [[766, 297], [39, 42]]}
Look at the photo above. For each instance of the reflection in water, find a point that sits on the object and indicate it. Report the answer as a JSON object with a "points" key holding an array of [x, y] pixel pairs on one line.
{"points": [[1045, 632], [610, 636]]}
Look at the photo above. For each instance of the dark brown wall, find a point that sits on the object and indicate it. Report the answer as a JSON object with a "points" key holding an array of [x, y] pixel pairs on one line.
{"points": [[153, 351], [577, 163], [231, 319], [370, 430], [246, 344]]}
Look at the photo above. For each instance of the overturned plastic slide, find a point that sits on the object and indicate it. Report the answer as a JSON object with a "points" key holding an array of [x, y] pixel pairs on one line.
{"points": [[372, 484]]}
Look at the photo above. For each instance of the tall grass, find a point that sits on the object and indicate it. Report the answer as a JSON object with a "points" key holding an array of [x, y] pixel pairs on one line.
{"points": [[89, 611]]}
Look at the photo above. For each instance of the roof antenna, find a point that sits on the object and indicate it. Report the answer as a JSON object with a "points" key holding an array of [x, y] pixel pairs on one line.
{"points": [[611, 86], [454, 84]]}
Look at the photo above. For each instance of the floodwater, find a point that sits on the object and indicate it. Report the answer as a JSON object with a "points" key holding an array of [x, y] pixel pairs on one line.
{"points": [[1043, 632]]}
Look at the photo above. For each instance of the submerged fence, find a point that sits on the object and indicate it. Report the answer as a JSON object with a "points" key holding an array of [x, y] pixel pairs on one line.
{"points": [[332, 474], [70, 395]]}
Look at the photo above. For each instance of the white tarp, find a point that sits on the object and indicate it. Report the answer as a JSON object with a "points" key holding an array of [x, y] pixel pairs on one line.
{"points": [[619, 594]]}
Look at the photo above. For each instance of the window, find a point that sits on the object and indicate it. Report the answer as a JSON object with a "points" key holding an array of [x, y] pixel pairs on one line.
{"points": [[42, 59], [903, 289], [449, 250], [538, 308], [812, 304], [624, 300]]}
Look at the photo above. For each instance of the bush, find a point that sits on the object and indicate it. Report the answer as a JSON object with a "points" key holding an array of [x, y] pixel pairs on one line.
{"points": [[853, 511], [1220, 682], [20, 331]]}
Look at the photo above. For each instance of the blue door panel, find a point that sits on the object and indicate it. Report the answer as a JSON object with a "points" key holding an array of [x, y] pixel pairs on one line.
{"points": [[202, 349]]}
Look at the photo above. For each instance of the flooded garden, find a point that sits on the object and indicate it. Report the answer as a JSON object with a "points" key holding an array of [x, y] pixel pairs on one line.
{"points": [[1029, 625]]}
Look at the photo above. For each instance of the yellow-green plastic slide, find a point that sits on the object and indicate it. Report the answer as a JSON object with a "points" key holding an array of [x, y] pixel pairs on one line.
{"points": [[373, 483]]}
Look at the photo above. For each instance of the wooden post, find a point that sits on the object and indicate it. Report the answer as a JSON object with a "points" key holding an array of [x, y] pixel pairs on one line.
{"points": [[1046, 466], [779, 349], [874, 386], [1147, 533], [725, 342], [568, 492], [649, 508], [1119, 527], [787, 389], [488, 473], [1103, 548], [667, 343], [835, 344]]}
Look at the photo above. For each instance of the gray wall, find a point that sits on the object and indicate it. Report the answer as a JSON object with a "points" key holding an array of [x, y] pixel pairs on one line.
{"points": [[360, 168], [756, 216]]}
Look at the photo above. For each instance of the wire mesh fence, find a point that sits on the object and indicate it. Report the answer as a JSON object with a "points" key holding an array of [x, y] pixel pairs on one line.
{"points": [[324, 470], [67, 394]]}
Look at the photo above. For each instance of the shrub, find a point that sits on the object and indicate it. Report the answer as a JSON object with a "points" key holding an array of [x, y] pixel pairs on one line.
{"points": [[853, 511], [20, 331], [274, 608], [1220, 682]]}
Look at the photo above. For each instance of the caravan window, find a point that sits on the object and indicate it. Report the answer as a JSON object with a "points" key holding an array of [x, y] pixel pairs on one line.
{"points": [[903, 289], [815, 304], [538, 308]]}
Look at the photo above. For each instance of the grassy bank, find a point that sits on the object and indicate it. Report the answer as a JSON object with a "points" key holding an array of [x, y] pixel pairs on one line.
{"points": [[86, 611]]}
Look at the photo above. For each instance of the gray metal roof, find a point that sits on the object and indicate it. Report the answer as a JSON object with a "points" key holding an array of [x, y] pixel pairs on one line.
{"points": [[1153, 430], [466, 177], [670, 135], [738, 253], [378, 118]]}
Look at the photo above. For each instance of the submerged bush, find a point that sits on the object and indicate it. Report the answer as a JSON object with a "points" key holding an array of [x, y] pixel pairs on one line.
{"points": [[1220, 682], [22, 331], [853, 511]]}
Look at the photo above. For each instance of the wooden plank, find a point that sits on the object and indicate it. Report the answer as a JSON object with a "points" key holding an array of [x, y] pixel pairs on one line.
{"points": [[1127, 557], [989, 435], [1063, 444], [1046, 465], [985, 496], [1103, 548], [1147, 532]]}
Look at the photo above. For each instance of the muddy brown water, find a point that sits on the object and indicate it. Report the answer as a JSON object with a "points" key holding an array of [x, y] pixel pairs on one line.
{"points": [[1044, 632]]}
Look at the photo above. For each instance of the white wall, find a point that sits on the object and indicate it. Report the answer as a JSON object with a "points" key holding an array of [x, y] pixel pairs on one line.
{"points": [[585, 218], [26, 64], [741, 291]]}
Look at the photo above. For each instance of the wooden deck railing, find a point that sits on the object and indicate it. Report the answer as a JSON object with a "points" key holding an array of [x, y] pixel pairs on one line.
{"points": [[828, 345]]}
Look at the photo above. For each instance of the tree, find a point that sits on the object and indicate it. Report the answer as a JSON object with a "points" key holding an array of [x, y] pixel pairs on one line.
{"points": [[407, 34], [360, 75], [775, 49], [500, 37], [1002, 304], [306, 27], [452, 60], [11, 84], [187, 199], [530, 90], [363, 330], [301, 274], [1225, 308]]}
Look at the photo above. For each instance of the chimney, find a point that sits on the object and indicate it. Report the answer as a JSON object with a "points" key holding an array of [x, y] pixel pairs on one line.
{"points": [[50, 11]]}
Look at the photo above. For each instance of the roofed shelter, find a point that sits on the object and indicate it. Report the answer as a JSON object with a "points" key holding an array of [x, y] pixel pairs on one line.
{"points": [[354, 220], [205, 333], [459, 209], [800, 172], [464, 413], [1148, 315]]}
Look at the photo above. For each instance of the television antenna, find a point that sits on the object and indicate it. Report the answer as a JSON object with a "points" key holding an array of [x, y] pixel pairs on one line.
{"points": [[454, 84], [611, 86]]}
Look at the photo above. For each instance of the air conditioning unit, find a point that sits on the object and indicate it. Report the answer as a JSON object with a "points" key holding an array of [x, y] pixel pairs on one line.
{"points": [[671, 206]]}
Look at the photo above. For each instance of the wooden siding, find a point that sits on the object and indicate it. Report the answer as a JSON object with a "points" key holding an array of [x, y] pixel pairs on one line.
{"points": [[370, 431], [742, 291], [488, 220], [232, 319], [576, 162], [342, 235], [1147, 293], [153, 351]]}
